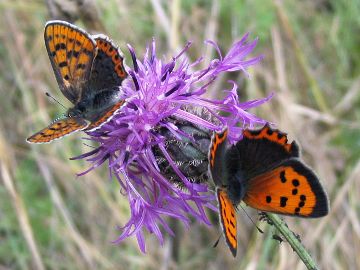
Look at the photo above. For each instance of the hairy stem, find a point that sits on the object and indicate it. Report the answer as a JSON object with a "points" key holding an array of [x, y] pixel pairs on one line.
{"points": [[292, 239]]}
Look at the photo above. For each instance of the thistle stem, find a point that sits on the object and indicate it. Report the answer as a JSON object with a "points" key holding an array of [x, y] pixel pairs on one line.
{"points": [[291, 238]]}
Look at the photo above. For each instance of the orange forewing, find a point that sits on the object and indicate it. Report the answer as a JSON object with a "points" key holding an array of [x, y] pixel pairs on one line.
{"points": [[270, 134], [290, 189], [58, 129], [71, 52], [228, 219]]}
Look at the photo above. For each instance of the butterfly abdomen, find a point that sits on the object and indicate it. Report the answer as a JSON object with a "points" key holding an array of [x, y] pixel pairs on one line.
{"points": [[189, 155]]}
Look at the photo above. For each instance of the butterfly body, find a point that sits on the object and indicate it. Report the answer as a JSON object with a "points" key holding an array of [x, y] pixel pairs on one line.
{"points": [[89, 70], [92, 105], [266, 172]]}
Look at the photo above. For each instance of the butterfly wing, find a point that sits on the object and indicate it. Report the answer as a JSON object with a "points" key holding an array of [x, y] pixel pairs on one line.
{"points": [[105, 117], [291, 188], [273, 135], [217, 157], [218, 173], [259, 151], [108, 69], [71, 52], [58, 129], [227, 219], [106, 76]]}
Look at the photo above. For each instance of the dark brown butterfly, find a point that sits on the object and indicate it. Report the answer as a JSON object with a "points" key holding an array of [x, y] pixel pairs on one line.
{"points": [[266, 172], [89, 71]]}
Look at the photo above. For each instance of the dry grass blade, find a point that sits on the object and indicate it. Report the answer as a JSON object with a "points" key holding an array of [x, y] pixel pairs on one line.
{"points": [[20, 208], [89, 252]]}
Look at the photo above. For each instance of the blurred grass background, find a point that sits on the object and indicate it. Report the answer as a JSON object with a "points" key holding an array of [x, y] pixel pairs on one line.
{"points": [[49, 219]]}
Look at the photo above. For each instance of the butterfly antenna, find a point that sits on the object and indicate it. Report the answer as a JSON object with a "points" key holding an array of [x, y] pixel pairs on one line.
{"points": [[88, 145], [50, 96], [261, 231], [217, 241]]}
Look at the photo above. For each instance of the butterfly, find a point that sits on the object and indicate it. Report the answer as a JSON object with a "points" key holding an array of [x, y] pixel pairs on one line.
{"points": [[89, 70], [266, 172]]}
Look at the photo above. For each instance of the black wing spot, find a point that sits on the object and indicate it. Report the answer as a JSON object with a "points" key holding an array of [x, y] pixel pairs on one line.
{"points": [[268, 199], [301, 204], [45, 135], [60, 46], [295, 182], [231, 223], [295, 191], [231, 234], [80, 66], [282, 177], [63, 64], [297, 210], [303, 197], [283, 201]]}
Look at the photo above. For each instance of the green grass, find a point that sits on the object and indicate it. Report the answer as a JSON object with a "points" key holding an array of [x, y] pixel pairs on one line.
{"points": [[50, 217]]}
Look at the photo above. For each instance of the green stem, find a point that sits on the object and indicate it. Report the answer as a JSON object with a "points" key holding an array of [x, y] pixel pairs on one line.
{"points": [[291, 238]]}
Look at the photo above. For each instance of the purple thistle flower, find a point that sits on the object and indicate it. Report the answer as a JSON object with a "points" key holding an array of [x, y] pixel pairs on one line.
{"points": [[157, 144]]}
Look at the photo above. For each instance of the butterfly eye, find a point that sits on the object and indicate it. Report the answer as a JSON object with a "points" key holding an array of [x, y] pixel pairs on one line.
{"points": [[74, 112]]}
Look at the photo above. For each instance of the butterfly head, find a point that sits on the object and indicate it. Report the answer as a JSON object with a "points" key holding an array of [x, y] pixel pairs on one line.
{"points": [[76, 111]]}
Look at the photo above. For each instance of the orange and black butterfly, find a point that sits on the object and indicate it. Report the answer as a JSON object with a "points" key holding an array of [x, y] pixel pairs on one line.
{"points": [[89, 71], [266, 172]]}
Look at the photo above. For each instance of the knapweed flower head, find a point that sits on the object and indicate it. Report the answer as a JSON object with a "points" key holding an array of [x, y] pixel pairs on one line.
{"points": [[157, 145]]}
